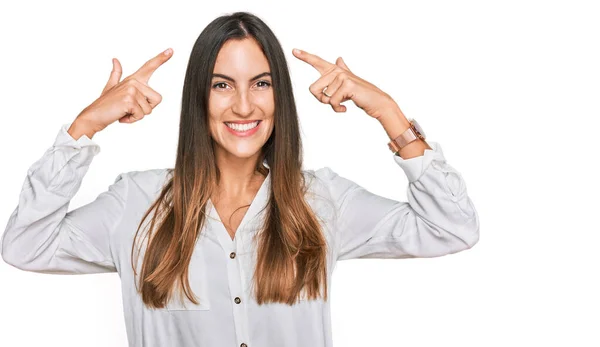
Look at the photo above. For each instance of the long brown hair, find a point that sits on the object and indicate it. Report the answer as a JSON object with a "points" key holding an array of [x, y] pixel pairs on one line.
{"points": [[291, 251]]}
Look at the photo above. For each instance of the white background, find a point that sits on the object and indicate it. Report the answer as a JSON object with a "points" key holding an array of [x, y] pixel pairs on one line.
{"points": [[509, 89]]}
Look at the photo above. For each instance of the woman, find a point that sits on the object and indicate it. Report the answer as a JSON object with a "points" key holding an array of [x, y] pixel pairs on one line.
{"points": [[233, 246]]}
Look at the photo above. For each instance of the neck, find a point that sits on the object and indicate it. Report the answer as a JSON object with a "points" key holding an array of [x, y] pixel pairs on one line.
{"points": [[239, 178]]}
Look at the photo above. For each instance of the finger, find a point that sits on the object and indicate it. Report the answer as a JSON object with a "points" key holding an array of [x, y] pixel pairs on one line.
{"points": [[134, 113], [153, 98], [323, 82], [333, 87], [144, 73], [339, 109], [340, 62], [115, 76], [339, 95], [323, 66], [143, 102], [129, 118]]}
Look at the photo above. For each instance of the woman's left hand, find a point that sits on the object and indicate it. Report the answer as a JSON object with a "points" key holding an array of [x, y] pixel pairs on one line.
{"points": [[343, 85]]}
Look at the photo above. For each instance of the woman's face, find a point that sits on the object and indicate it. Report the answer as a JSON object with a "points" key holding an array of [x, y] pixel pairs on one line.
{"points": [[241, 92]]}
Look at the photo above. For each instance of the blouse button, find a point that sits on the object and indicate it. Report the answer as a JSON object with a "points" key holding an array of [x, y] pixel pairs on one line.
{"points": [[243, 345], [237, 300], [232, 255]]}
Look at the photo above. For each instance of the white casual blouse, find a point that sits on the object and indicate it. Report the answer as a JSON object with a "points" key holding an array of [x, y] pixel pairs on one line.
{"points": [[43, 236]]}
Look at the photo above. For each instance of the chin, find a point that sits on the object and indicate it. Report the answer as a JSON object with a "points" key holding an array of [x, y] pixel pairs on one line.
{"points": [[243, 152], [243, 155], [242, 147]]}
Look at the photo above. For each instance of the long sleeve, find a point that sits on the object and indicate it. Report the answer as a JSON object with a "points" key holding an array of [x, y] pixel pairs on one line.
{"points": [[41, 235], [438, 219]]}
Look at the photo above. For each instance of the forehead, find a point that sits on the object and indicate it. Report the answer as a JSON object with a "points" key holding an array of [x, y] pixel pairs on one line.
{"points": [[241, 58]]}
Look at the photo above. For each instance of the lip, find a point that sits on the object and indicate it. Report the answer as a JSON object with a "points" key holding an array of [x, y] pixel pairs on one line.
{"points": [[243, 121], [243, 133]]}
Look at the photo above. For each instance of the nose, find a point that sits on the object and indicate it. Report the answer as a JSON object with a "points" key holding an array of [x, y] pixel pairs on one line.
{"points": [[243, 103]]}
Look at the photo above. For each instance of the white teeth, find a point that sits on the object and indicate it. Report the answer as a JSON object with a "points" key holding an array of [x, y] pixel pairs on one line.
{"points": [[242, 127]]}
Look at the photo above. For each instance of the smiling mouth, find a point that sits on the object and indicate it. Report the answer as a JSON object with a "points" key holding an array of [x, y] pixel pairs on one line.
{"points": [[242, 127]]}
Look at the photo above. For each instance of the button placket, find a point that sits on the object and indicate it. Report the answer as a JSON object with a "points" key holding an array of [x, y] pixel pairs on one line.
{"points": [[236, 266], [234, 273]]}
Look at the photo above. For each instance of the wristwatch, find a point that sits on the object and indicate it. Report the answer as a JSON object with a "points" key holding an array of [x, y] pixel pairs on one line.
{"points": [[411, 134]]}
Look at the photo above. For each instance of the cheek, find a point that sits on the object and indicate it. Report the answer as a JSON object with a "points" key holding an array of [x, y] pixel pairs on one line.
{"points": [[214, 122], [215, 110], [267, 105], [212, 125], [217, 104], [267, 101]]}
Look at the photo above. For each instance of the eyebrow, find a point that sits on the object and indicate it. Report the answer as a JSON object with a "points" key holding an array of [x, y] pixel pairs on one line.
{"points": [[232, 80]]}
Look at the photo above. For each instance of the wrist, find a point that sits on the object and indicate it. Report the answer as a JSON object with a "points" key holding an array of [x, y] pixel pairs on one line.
{"points": [[81, 127], [394, 122]]}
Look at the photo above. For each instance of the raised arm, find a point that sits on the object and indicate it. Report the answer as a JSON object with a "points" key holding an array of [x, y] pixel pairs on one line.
{"points": [[438, 218], [41, 235]]}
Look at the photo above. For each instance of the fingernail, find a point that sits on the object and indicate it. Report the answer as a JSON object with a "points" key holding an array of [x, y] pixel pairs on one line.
{"points": [[297, 51], [168, 51]]}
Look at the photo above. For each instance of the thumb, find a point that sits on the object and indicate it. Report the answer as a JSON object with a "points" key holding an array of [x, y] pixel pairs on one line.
{"points": [[115, 75], [340, 62]]}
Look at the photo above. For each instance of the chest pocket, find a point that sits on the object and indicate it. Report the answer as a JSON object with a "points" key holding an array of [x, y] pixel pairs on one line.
{"points": [[198, 278]]}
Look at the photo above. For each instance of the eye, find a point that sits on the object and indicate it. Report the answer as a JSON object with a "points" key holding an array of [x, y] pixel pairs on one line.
{"points": [[217, 84], [266, 84]]}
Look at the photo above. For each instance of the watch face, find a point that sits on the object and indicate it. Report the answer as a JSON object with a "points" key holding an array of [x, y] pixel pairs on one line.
{"points": [[418, 128]]}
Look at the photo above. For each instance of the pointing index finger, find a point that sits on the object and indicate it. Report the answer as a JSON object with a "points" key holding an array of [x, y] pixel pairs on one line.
{"points": [[144, 73], [315, 61]]}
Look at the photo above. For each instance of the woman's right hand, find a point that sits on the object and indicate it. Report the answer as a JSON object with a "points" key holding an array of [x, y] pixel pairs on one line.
{"points": [[127, 101]]}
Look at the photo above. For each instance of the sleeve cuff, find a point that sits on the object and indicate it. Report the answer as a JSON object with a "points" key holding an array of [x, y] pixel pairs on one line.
{"points": [[414, 167], [64, 139]]}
